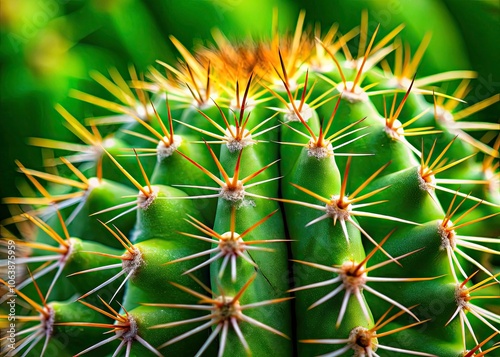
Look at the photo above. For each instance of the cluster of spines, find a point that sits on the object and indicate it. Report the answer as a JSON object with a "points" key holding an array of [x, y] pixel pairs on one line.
{"points": [[196, 189]]}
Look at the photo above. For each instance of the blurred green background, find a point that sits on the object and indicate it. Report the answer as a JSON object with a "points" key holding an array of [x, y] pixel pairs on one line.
{"points": [[49, 47]]}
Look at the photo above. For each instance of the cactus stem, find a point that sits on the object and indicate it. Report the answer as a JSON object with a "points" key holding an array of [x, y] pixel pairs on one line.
{"points": [[219, 166], [239, 95]]}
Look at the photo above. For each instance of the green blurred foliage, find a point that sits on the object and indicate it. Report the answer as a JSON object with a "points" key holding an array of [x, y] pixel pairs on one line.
{"points": [[50, 46]]}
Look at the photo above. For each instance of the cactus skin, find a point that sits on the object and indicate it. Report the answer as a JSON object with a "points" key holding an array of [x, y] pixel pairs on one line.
{"points": [[205, 244]]}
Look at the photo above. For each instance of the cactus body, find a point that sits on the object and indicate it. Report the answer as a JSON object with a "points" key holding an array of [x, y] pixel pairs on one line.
{"points": [[289, 209]]}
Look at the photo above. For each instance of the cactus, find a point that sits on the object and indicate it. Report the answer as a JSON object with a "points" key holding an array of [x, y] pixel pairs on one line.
{"points": [[277, 198]]}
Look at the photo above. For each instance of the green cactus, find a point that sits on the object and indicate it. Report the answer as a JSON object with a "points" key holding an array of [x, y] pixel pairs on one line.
{"points": [[280, 198]]}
